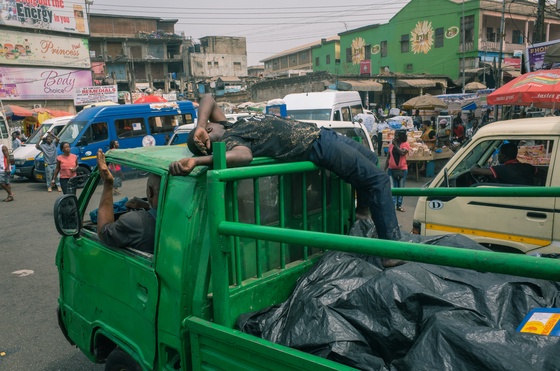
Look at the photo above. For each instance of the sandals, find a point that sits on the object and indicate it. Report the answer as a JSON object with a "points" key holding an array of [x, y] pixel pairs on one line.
{"points": [[9, 198], [400, 208]]}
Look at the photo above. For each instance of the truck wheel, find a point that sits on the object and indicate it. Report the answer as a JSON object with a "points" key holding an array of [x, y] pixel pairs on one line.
{"points": [[83, 173], [119, 360]]}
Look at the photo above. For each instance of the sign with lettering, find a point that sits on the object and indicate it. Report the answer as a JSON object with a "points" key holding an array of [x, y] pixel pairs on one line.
{"points": [[41, 83], [18, 48], [67, 16], [96, 94]]}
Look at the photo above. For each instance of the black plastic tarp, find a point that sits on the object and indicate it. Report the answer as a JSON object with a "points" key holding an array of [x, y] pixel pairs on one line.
{"points": [[415, 316]]}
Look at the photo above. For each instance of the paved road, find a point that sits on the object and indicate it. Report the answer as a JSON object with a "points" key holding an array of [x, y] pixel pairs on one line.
{"points": [[29, 335]]}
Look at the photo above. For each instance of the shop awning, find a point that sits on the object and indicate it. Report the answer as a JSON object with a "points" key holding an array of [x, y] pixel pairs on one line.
{"points": [[415, 83], [362, 85]]}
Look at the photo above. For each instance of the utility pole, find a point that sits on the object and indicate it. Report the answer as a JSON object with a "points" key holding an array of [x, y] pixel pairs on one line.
{"points": [[502, 35], [539, 35]]}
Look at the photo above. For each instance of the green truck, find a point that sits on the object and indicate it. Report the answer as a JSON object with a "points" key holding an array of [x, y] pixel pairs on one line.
{"points": [[228, 242]]}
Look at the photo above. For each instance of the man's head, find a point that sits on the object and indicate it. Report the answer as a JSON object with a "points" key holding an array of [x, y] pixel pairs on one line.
{"points": [[508, 151], [475, 123], [15, 134], [442, 123], [152, 189], [215, 132], [48, 138], [426, 124]]}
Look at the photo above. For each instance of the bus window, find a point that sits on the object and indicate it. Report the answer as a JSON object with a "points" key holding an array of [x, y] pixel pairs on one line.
{"points": [[163, 124], [127, 128]]}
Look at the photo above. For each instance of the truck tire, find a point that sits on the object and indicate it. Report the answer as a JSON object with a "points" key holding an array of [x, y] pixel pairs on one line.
{"points": [[119, 360], [82, 172]]}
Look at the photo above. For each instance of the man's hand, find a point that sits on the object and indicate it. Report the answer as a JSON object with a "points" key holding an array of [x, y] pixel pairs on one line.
{"points": [[182, 167], [104, 172], [202, 140]]}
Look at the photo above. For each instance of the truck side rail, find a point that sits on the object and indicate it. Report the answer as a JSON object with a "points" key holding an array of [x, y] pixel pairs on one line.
{"points": [[226, 229]]}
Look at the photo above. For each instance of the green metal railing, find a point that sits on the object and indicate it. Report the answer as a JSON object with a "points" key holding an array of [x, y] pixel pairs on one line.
{"points": [[226, 231]]}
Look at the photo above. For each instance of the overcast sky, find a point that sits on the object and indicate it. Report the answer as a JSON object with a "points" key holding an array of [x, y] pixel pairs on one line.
{"points": [[269, 28]]}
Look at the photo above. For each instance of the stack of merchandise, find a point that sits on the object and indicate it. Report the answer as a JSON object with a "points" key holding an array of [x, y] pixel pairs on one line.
{"points": [[534, 155]]}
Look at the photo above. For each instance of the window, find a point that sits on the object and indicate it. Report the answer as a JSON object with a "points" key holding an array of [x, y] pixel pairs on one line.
{"points": [[490, 35], [355, 110], [127, 128], [516, 37], [367, 51], [383, 48], [405, 43], [439, 38], [95, 133], [346, 115], [209, 64], [317, 62], [237, 66], [408, 67], [467, 28], [163, 124], [348, 55], [328, 59], [216, 65]]}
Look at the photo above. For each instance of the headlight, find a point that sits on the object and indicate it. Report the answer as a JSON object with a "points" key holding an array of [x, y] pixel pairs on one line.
{"points": [[19, 162]]}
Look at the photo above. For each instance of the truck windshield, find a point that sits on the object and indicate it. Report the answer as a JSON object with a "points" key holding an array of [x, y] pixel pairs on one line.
{"points": [[3, 129], [71, 131], [310, 114], [37, 134]]}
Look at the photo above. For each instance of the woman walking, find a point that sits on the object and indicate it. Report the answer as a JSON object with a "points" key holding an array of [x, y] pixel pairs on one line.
{"points": [[66, 165], [396, 163]]}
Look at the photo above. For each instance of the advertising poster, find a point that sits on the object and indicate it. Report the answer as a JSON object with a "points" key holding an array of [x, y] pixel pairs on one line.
{"points": [[67, 16], [20, 83], [17, 48], [534, 55], [96, 94]]}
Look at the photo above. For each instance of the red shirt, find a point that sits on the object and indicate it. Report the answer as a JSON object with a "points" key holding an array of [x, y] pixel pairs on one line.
{"points": [[67, 162], [402, 165]]}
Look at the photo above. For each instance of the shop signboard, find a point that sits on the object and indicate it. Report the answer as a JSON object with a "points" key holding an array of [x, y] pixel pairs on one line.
{"points": [[68, 16], [95, 94], [534, 55], [22, 83], [19, 48]]}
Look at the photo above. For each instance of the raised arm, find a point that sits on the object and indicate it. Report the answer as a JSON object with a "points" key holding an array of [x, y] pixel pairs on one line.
{"points": [[105, 213], [238, 156]]}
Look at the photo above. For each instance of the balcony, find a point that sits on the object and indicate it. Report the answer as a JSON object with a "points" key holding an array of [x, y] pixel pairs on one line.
{"points": [[494, 46], [466, 47]]}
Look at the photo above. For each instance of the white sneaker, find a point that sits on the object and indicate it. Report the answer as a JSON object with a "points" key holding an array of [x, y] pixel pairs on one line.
{"points": [[49, 189]]}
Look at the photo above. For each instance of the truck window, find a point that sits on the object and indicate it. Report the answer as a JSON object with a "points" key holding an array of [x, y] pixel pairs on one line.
{"points": [[536, 152], [71, 131], [163, 124], [356, 109], [346, 115], [310, 114], [127, 128], [97, 132], [132, 185]]}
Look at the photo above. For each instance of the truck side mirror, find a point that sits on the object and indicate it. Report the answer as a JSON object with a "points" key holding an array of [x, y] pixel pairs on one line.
{"points": [[67, 216]]}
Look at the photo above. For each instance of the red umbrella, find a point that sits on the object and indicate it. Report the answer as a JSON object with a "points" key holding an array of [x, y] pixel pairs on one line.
{"points": [[16, 112], [540, 88], [150, 99], [53, 112]]}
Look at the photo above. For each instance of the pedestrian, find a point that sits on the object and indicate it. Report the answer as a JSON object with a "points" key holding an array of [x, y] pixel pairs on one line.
{"points": [[396, 164], [66, 166], [472, 131], [383, 125], [16, 141], [486, 117], [417, 120], [443, 134], [48, 147], [290, 140], [5, 169], [115, 170]]}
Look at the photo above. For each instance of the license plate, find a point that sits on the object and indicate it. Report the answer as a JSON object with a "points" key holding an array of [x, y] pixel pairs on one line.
{"points": [[38, 176]]}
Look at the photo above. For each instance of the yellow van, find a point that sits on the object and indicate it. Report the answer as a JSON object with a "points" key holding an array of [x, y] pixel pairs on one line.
{"points": [[513, 224]]}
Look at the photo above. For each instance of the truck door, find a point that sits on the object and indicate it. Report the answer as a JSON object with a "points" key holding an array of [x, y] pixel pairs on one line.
{"points": [[518, 223]]}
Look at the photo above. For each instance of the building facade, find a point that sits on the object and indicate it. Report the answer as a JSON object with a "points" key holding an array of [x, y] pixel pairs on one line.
{"points": [[218, 56]]}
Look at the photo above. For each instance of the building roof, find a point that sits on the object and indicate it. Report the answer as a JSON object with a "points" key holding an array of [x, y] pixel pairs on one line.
{"points": [[132, 17], [298, 49]]}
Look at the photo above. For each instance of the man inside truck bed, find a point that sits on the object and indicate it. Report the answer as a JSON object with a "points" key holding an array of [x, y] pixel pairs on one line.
{"points": [[510, 170], [135, 229], [290, 140]]}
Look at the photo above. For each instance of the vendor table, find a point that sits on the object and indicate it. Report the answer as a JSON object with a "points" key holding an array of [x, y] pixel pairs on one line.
{"points": [[415, 161]]}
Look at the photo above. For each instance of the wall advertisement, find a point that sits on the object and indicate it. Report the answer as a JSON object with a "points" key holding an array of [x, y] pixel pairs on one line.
{"points": [[17, 48], [534, 55], [67, 16], [41, 83], [96, 94]]}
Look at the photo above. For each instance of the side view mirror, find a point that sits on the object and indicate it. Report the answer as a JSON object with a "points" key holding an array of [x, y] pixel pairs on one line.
{"points": [[67, 216]]}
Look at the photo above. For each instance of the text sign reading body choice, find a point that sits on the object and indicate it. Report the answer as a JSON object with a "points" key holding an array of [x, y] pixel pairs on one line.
{"points": [[67, 16], [96, 94], [18, 48], [41, 83]]}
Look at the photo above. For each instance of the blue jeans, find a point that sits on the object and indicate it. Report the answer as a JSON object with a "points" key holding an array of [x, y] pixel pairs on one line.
{"points": [[398, 183], [357, 165], [49, 172]]}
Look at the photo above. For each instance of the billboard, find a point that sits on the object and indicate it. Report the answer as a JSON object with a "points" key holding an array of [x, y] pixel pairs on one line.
{"points": [[68, 16], [18, 48], [41, 83], [96, 94], [534, 55]]}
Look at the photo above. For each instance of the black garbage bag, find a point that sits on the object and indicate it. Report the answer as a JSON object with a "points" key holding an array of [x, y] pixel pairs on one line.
{"points": [[415, 316]]}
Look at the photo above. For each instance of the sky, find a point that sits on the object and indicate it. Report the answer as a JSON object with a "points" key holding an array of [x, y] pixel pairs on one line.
{"points": [[269, 28]]}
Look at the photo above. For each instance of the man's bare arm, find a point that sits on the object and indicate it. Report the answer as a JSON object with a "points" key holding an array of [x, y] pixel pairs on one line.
{"points": [[105, 213], [238, 156]]}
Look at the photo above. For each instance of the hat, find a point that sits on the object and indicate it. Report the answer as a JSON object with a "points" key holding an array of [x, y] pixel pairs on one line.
{"points": [[443, 122]]}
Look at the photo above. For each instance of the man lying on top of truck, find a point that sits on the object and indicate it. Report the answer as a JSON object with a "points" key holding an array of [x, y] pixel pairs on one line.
{"points": [[290, 140], [510, 170]]}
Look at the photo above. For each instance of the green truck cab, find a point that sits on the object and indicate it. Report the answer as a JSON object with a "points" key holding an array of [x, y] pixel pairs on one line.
{"points": [[136, 310]]}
